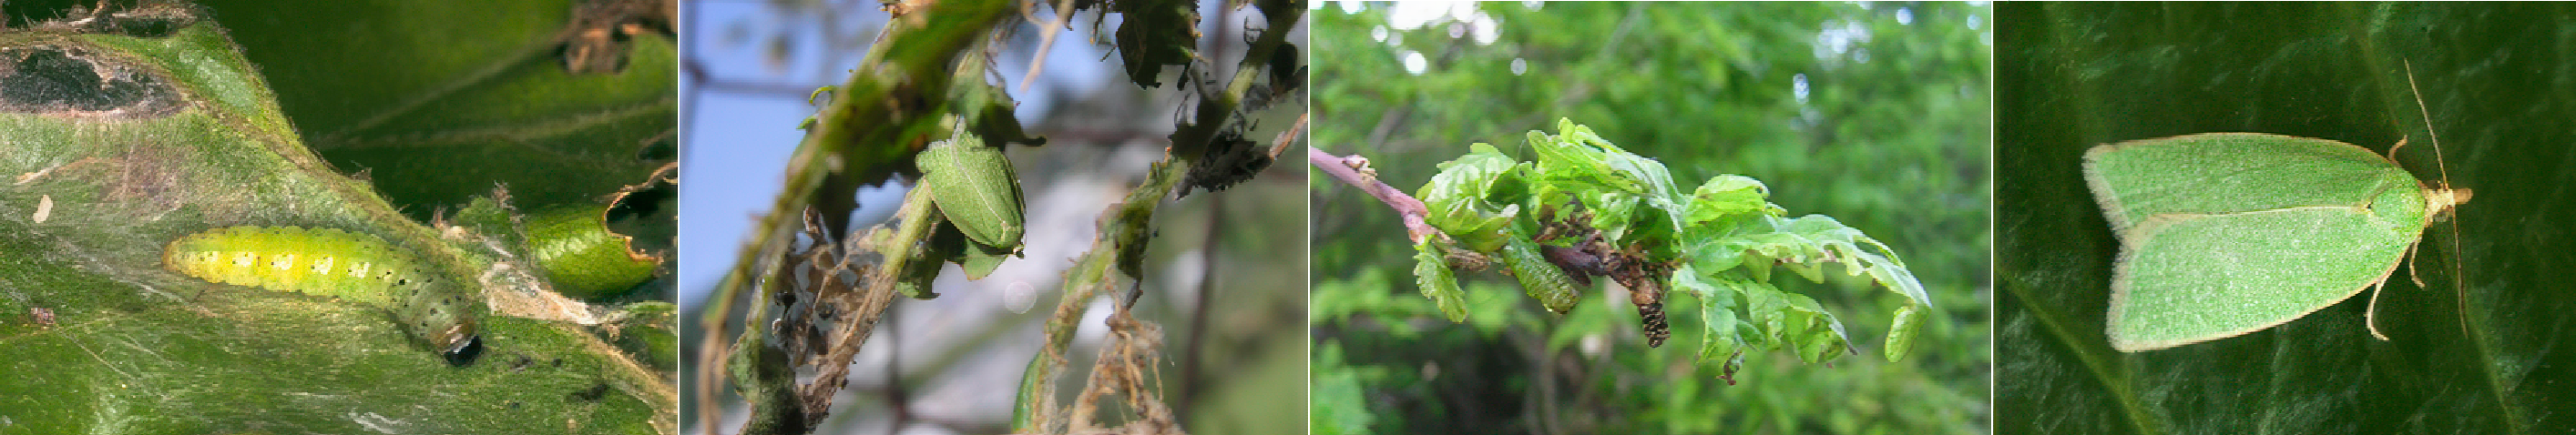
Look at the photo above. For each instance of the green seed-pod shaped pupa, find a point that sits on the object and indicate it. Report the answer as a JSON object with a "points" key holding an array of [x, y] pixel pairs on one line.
{"points": [[973, 185], [356, 267], [1540, 278]]}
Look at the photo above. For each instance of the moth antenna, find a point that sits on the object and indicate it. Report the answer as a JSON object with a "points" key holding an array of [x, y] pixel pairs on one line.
{"points": [[2428, 126], [2459, 285]]}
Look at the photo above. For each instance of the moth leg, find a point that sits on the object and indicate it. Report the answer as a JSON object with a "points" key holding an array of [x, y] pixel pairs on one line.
{"points": [[2370, 317], [2412, 273]]}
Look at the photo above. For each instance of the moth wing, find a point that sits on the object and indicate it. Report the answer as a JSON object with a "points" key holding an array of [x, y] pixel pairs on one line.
{"points": [[2188, 278], [2226, 173]]}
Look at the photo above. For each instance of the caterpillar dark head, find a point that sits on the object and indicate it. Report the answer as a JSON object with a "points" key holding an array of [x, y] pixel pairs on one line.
{"points": [[460, 344], [450, 332]]}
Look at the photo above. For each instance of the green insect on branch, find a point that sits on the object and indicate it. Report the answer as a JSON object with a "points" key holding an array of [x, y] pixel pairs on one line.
{"points": [[922, 99], [861, 137]]}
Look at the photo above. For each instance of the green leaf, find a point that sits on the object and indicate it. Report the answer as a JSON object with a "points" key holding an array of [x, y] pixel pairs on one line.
{"points": [[1727, 229], [582, 256], [1717, 310], [1577, 155], [1727, 196], [1563, 160], [1459, 198], [1615, 213], [1431, 273]]}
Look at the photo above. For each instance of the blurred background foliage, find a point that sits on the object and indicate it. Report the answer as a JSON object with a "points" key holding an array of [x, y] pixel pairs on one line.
{"points": [[2495, 80], [1223, 276], [1873, 113]]}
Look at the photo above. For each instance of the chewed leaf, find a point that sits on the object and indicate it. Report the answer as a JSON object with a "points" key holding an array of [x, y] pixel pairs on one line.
{"points": [[1842, 243], [1717, 306], [1728, 196], [1719, 243], [1795, 319]]}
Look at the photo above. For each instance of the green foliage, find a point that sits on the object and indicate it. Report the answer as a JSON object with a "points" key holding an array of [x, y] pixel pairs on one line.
{"points": [[583, 256], [2470, 351], [1894, 143], [1338, 397], [1721, 241], [1431, 272]]}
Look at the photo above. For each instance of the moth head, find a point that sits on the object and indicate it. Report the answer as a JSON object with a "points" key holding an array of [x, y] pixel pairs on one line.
{"points": [[2439, 202]]}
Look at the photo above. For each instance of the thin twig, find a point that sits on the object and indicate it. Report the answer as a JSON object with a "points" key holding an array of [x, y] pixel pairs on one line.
{"points": [[1289, 137], [1037, 62], [1348, 170]]}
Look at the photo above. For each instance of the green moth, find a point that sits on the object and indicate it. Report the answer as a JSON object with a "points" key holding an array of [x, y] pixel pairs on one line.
{"points": [[974, 187], [2223, 234], [350, 266]]}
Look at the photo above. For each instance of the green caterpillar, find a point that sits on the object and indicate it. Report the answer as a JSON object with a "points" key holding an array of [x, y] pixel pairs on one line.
{"points": [[351, 266], [974, 187]]}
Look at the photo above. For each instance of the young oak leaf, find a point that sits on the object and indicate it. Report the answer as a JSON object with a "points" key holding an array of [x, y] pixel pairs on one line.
{"points": [[1459, 198]]}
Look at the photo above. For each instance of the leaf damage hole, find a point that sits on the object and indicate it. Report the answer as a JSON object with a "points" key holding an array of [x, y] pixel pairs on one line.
{"points": [[601, 34], [141, 21], [71, 82]]}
